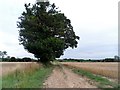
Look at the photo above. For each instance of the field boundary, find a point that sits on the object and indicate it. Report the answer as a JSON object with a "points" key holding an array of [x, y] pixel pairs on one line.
{"points": [[100, 81]]}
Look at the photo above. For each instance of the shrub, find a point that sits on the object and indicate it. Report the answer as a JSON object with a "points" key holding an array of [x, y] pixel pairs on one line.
{"points": [[13, 59]]}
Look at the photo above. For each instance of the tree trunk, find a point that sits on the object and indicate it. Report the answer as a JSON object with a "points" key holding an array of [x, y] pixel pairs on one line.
{"points": [[45, 61]]}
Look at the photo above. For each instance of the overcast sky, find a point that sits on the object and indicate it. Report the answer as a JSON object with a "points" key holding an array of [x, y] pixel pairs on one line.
{"points": [[95, 21]]}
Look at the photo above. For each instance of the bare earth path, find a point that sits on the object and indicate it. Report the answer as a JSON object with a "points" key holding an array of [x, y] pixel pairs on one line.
{"points": [[63, 77]]}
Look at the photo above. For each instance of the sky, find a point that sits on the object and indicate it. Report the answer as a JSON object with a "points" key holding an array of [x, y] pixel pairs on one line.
{"points": [[94, 21]]}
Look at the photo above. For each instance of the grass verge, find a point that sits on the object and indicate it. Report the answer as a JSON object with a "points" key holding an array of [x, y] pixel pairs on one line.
{"points": [[32, 79], [102, 83]]}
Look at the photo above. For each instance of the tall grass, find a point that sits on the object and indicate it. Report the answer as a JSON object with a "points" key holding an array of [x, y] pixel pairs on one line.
{"points": [[101, 82], [32, 78]]}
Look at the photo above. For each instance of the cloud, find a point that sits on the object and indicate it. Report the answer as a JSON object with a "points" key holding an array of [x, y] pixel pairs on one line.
{"points": [[95, 21]]}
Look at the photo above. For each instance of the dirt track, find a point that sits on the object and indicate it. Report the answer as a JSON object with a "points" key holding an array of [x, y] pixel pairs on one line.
{"points": [[63, 77]]}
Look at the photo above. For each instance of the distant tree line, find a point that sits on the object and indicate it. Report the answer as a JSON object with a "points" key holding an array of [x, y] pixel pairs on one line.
{"points": [[27, 59], [90, 60], [5, 58], [13, 59]]}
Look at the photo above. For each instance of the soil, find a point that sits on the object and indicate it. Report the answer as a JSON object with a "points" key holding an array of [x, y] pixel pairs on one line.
{"points": [[63, 77]]}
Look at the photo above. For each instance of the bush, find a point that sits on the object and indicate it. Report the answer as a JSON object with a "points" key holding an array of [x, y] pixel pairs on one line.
{"points": [[5, 59], [13, 59], [26, 59]]}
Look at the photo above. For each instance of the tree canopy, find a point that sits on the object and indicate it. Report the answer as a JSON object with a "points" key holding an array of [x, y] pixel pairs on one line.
{"points": [[45, 31], [2, 54]]}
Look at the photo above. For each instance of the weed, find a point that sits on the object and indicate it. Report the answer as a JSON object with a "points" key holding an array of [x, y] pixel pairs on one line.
{"points": [[32, 79], [101, 82]]}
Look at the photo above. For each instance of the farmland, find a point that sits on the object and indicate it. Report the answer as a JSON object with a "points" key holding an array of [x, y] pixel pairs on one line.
{"points": [[61, 76], [23, 74], [9, 67], [108, 69]]}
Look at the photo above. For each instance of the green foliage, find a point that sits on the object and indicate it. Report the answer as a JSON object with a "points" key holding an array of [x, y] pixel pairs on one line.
{"points": [[2, 54], [12, 59], [45, 31], [21, 79], [5, 60], [89, 60], [26, 59], [102, 82]]}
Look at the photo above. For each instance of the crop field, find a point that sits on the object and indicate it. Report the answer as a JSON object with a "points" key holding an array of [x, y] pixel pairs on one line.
{"points": [[107, 69], [23, 74], [9, 67], [35, 75]]}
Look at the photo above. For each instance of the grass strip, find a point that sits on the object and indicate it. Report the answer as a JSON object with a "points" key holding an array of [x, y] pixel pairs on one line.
{"points": [[101, 82], [32, 79]]}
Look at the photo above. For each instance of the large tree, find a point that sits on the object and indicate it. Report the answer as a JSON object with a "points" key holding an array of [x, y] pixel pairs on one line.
{"points": [[45, 31]]}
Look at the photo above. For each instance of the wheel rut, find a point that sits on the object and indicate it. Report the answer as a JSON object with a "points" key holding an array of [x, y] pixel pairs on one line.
{"points": [[63, 77]]}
